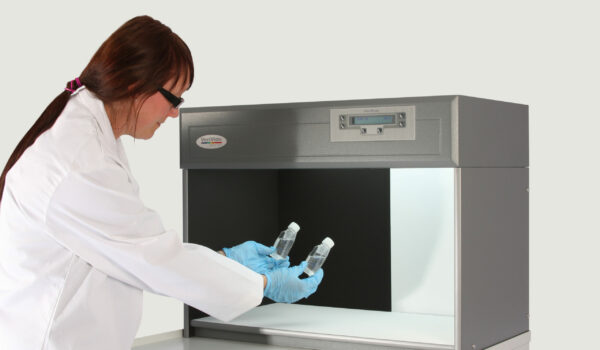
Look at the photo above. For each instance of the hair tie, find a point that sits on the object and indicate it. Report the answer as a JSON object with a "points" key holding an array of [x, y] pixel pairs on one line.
{"points": [[73, 85]]}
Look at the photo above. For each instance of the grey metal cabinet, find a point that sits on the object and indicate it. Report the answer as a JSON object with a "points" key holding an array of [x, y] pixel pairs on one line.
{"points": [[426, 198]]}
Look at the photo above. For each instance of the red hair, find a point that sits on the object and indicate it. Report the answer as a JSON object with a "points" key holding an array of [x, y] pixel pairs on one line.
{"points": [[138, 58]]}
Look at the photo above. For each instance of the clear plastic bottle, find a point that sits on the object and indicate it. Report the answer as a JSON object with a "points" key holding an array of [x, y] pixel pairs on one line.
{"points": [[284, 242], [317, 256]]}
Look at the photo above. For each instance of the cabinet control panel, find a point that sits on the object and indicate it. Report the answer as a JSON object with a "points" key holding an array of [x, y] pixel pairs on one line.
{"points": [[389, 123]]}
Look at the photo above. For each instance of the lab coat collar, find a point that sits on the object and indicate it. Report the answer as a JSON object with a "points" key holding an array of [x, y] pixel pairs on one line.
{"points": [[110, 145]]}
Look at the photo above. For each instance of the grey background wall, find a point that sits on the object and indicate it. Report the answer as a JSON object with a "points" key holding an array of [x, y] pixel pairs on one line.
{"points": [[540, 53]]}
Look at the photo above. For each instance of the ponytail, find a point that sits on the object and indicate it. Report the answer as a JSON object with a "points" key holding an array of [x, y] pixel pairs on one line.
{"points": [[43, 123]]}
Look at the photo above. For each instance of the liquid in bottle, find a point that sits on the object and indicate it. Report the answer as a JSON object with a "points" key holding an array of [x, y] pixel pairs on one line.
{"points": [[317, 256], [283, 243]]}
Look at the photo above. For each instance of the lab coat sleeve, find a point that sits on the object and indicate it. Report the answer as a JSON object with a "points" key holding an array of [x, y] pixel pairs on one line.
{"points": [[97, 214]]}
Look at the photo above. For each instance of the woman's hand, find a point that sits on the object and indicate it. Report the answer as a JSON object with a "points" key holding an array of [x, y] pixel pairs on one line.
{"points": [[256, 257], [285, 286]]}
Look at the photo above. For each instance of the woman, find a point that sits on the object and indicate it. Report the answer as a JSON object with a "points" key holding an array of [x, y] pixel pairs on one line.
{"points": [[77, 245]]}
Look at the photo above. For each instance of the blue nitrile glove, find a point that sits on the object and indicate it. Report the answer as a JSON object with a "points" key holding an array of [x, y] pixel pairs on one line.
{"points": [[255, 256], [285, 286]]}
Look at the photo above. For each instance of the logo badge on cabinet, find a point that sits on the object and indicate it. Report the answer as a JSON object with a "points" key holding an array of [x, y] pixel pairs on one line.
{"points": [[211, 141]]}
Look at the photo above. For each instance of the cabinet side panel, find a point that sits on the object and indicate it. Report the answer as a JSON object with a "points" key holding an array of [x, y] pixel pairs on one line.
{"points": [[494, 248]]}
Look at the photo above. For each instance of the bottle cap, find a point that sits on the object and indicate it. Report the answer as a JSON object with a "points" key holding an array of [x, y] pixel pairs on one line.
{"points": [[294, 226], [328, 242]]}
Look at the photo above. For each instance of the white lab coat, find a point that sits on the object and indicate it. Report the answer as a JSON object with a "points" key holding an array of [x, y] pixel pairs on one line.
{"points": [[77, 245]]}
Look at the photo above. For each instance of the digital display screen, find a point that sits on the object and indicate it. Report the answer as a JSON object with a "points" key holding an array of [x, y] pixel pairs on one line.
{"points": [[372, 119]]}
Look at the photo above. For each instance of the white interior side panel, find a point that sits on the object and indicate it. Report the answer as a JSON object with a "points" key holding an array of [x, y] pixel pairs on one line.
{"points": [[422, 240]]}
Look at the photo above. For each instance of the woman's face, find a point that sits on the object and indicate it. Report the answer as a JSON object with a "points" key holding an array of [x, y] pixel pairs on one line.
{"points": [[156, 109]]}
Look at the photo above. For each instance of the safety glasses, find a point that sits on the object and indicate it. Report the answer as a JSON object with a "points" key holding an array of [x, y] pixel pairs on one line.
{"points": [[175, 101]]}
